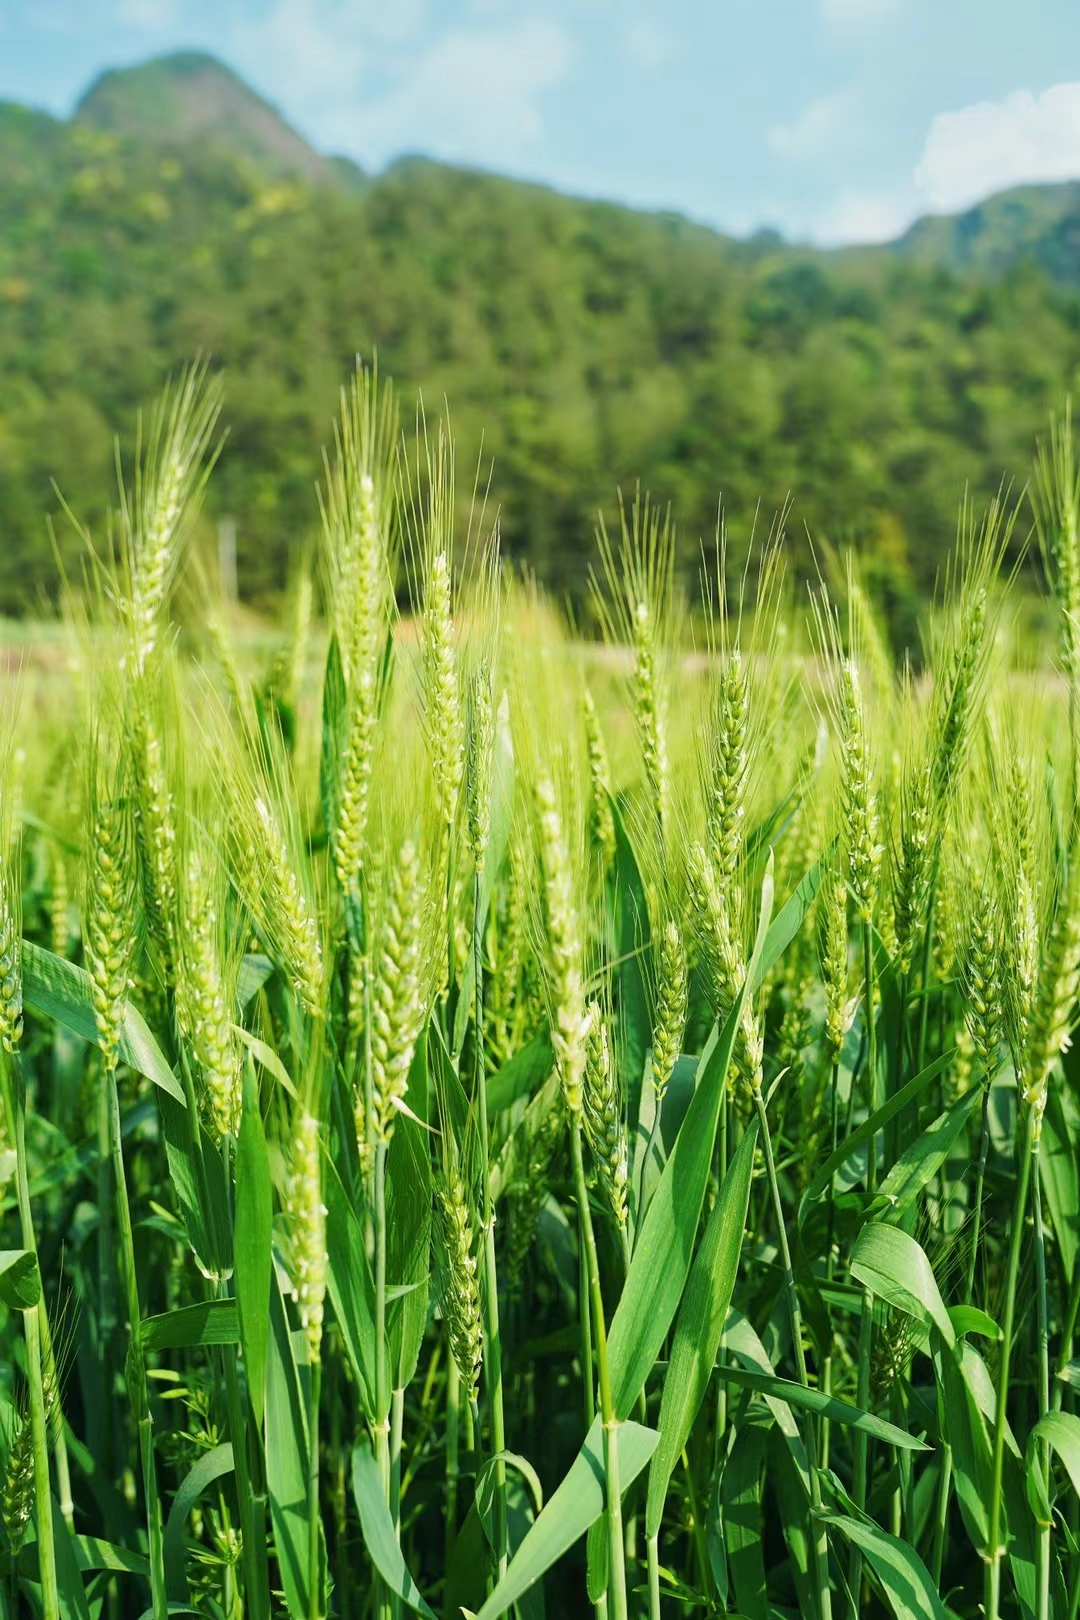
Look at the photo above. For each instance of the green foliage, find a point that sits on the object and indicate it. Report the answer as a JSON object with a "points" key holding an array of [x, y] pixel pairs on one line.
{"points": [[377, 1335], [590, 346]]}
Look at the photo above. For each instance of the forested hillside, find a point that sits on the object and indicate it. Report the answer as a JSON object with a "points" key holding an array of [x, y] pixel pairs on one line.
{"points": [[583, 344]]}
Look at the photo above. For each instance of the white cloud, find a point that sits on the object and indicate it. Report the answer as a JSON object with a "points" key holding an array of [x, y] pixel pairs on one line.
{"points": [[474, 96], [376, 79], [856, 216], [995, 144], [317, 52], [857, 13], [815, 132]]}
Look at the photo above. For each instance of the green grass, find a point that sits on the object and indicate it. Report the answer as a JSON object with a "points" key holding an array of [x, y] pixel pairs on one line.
{"points": [[464, 1149]]}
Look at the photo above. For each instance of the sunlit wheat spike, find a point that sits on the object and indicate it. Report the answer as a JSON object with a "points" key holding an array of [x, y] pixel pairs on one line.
{"points": [[59, 903], [726, 803], [962, 652], [290, 915], [984, 1014], [648, 709], [635, 607], [203, 1000], [911, 888], [155, 828], [11, 982], [442, 705], [351, 832], [672, 990], [479, 764], [11, 918], [603, 1119], [307, 1216], [1059, 985], [839, 1011], [723, 957], [859, 798], [1023, 934], [1056, 499], [397, 1012], [564, 949], [172, 464], [601, 819], [461, 1287], [508, 1004], [109, 919], [358, 520]]}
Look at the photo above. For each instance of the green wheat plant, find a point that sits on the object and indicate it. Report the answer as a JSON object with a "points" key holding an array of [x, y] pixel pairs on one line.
{"points": [[500, 1124]]}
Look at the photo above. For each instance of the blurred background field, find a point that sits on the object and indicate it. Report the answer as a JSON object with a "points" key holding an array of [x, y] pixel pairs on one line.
{"points": [[581, 346]]}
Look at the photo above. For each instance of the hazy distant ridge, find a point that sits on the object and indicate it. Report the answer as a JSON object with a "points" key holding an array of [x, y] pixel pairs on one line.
{"points": [[583, 343]]}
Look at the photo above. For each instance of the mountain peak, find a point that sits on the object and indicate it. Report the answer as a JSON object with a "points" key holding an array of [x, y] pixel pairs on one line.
{"points": [[190, 95]]}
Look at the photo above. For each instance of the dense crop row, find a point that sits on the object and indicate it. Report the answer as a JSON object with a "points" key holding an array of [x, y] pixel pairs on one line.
{"points": [[491, 1124]]}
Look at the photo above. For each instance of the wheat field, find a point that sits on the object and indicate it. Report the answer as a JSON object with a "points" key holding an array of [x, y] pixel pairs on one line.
{"points": [[499, 1125]]}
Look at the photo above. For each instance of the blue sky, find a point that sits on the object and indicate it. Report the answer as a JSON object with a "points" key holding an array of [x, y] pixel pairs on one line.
{"points": [[832, 120]]}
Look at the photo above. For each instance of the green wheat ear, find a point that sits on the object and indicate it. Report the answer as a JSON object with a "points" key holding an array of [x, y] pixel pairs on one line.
{"points": [[839, 1010], [398, 1003], [601, 819], [461, 1288], [983, 981], [635, 605], [204, 1000], [11, 985], [672, 995], [307, 1215], [108, 923], [564, 950], [723, 956], [442, 704], [726, 803], [603, 1118], [859, 799], [480, 753], [173, 462], [289, 916]]}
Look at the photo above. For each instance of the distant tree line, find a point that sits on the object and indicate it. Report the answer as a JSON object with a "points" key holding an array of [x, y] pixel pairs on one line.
{"points": [[582, 346]]}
